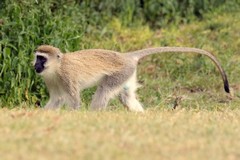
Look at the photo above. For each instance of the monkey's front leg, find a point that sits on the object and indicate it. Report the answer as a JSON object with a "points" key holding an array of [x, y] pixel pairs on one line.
{"points": [[73, 101], [54, 103]]}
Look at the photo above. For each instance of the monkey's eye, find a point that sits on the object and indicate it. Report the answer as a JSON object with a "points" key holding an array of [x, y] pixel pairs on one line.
{"points": [[42, 59]]}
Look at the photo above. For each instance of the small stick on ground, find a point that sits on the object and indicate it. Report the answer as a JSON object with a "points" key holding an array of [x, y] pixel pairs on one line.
{"points": [[177, 102]]}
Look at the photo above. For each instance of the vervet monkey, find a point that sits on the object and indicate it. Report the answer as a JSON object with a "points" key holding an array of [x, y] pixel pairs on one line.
{"points": [[67, 74]]}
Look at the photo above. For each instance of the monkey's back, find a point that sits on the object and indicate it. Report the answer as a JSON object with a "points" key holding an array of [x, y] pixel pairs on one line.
{"points": [[90, 65]]}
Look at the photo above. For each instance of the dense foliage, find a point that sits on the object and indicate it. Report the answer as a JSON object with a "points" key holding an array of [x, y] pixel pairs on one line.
{"points": [[26, 24]]}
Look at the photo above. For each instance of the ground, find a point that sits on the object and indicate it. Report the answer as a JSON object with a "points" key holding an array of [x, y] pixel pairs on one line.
{"points": [[156, 134]]}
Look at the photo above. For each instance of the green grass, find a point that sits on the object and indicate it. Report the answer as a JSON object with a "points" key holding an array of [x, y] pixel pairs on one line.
{"points": [[157, 134], [205, 124]]}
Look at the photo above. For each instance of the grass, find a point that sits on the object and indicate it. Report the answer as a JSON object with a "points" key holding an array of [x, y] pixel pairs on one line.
{"points": [[156, 134], [205, 124], [191, 78]]}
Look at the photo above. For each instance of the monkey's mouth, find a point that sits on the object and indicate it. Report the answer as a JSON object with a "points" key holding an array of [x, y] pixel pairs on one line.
{"points": [[39, 69]]}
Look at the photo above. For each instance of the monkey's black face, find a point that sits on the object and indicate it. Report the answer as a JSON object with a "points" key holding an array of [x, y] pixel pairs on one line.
{"points": [[39, 65]]}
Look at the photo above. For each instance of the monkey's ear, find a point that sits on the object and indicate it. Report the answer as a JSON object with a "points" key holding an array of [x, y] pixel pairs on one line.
{"points": [[35, 51], [59, 56]]}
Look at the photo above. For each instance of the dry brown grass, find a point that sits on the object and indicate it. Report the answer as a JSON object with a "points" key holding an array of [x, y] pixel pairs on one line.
{"points": [[156, 134]]}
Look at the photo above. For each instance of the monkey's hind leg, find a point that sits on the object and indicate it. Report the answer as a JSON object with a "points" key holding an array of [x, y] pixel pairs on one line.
{"points": [[128, 96], [102, 96], [109, 87], [105, 91]]}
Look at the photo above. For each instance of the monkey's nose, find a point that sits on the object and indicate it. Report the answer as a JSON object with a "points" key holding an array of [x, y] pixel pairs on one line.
{"points": [[38, 69]]}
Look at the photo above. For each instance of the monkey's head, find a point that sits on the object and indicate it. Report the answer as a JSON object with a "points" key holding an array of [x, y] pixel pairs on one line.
{"points": [[47, 59]]}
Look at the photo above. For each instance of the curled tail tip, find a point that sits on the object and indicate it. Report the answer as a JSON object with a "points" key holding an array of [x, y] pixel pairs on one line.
{"points": [[226, 87]]}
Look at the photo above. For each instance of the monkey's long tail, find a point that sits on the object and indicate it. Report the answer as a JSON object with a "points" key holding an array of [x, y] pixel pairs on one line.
{"points": [[144, 52]]}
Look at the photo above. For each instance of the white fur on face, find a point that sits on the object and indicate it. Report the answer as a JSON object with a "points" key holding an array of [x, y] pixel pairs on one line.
{"points": [[49, 66]]}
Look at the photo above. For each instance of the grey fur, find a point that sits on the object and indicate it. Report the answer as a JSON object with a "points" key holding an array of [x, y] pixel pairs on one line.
{"points": [[111, 86]]}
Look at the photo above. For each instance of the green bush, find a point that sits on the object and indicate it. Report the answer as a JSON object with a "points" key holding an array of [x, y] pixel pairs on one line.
{"points": [[162, 12], [27, 24]]}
